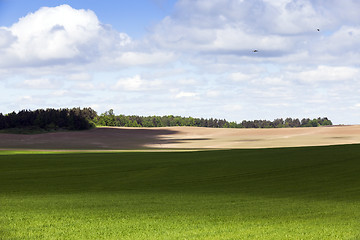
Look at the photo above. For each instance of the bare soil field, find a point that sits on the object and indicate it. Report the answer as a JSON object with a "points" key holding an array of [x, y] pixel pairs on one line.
{"points": [[114, 138]]}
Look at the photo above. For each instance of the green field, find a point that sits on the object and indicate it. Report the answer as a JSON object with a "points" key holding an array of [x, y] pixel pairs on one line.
{"points": [[290, 193]]}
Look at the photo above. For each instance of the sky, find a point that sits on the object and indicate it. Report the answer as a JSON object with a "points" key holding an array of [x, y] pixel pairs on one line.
{"points": [[183, 57]]}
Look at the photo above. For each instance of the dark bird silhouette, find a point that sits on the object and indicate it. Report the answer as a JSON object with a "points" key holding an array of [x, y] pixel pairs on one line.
{"points": [[318, 30], [255, 50]]}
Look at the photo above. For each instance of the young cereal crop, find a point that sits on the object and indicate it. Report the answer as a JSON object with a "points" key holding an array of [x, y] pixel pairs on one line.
{"points": [[290, 193]]}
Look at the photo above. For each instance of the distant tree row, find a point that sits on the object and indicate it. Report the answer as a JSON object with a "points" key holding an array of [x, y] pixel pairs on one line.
{"points": [[110, 119], [49, 119], [80, 119], [288, 122]]}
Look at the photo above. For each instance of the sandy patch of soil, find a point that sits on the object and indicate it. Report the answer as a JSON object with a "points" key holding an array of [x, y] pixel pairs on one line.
{"points": [[113, 138]]}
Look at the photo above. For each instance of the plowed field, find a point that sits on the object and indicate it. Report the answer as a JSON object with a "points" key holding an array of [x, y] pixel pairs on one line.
{"points": [[113, 138]]}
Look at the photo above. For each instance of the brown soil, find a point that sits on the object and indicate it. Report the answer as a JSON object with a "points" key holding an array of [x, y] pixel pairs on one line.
{"points": [[112, 138]]}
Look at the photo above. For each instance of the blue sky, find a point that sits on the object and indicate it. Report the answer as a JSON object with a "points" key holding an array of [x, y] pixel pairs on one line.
{"points": [[186, 57]]}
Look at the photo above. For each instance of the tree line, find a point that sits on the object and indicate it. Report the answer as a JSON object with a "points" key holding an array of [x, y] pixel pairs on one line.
{"points": [[49, 119], [110, 119], [86, 118]]}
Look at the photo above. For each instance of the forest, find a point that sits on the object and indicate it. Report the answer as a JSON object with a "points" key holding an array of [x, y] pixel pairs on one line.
{"points": [[110, 119], [49, 119], [86, 118]]}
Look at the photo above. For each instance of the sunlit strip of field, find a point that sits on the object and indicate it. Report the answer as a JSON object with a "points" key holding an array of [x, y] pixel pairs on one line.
{"points": [[290, 193]]}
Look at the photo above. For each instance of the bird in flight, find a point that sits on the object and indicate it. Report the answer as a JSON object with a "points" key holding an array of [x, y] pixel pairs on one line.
{"points": [[255, 50], [318, 30]]}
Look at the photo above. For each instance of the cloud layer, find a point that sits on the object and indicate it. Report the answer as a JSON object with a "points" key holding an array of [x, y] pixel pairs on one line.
{"points": [[198, 61]]}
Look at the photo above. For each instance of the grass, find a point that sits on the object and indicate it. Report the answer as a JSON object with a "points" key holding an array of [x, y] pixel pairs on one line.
{"points": [[290, 193]]}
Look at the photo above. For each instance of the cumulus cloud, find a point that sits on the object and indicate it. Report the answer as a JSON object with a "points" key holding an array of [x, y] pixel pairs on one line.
{"points": [[240, 77], [82, 76], [28, 101], [292, 17], [273, 81], [6, 38], [213, 93], [202, 51], [60, 93], [66, 40], [132, 83], [344, 41], [41, 83], [231, 27], [233, 107], [281, 31], [329, 74], [59, 35], [132, 58], [186, 95], [187, 82], [85, 86], [137, 83]]}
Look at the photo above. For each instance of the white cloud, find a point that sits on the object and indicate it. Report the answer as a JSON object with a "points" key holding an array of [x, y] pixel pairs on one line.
{"points": [[230, 39], [84, 86], [203, 51], [6, 38], [329, 74], [343, 42], [132, 84], [83, 76], [294, 17], [213, 93], [143, 58], [136, 83], [41, 83], [273, 81], [237, 27], [186, 95], [60, 93], [241, 77], [27, 101], [60, 35], [188, 82], [282, 31], [233, 107]]}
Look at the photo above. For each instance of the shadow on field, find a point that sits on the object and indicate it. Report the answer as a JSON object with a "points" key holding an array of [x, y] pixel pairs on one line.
{"points": [[94, 139]]}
